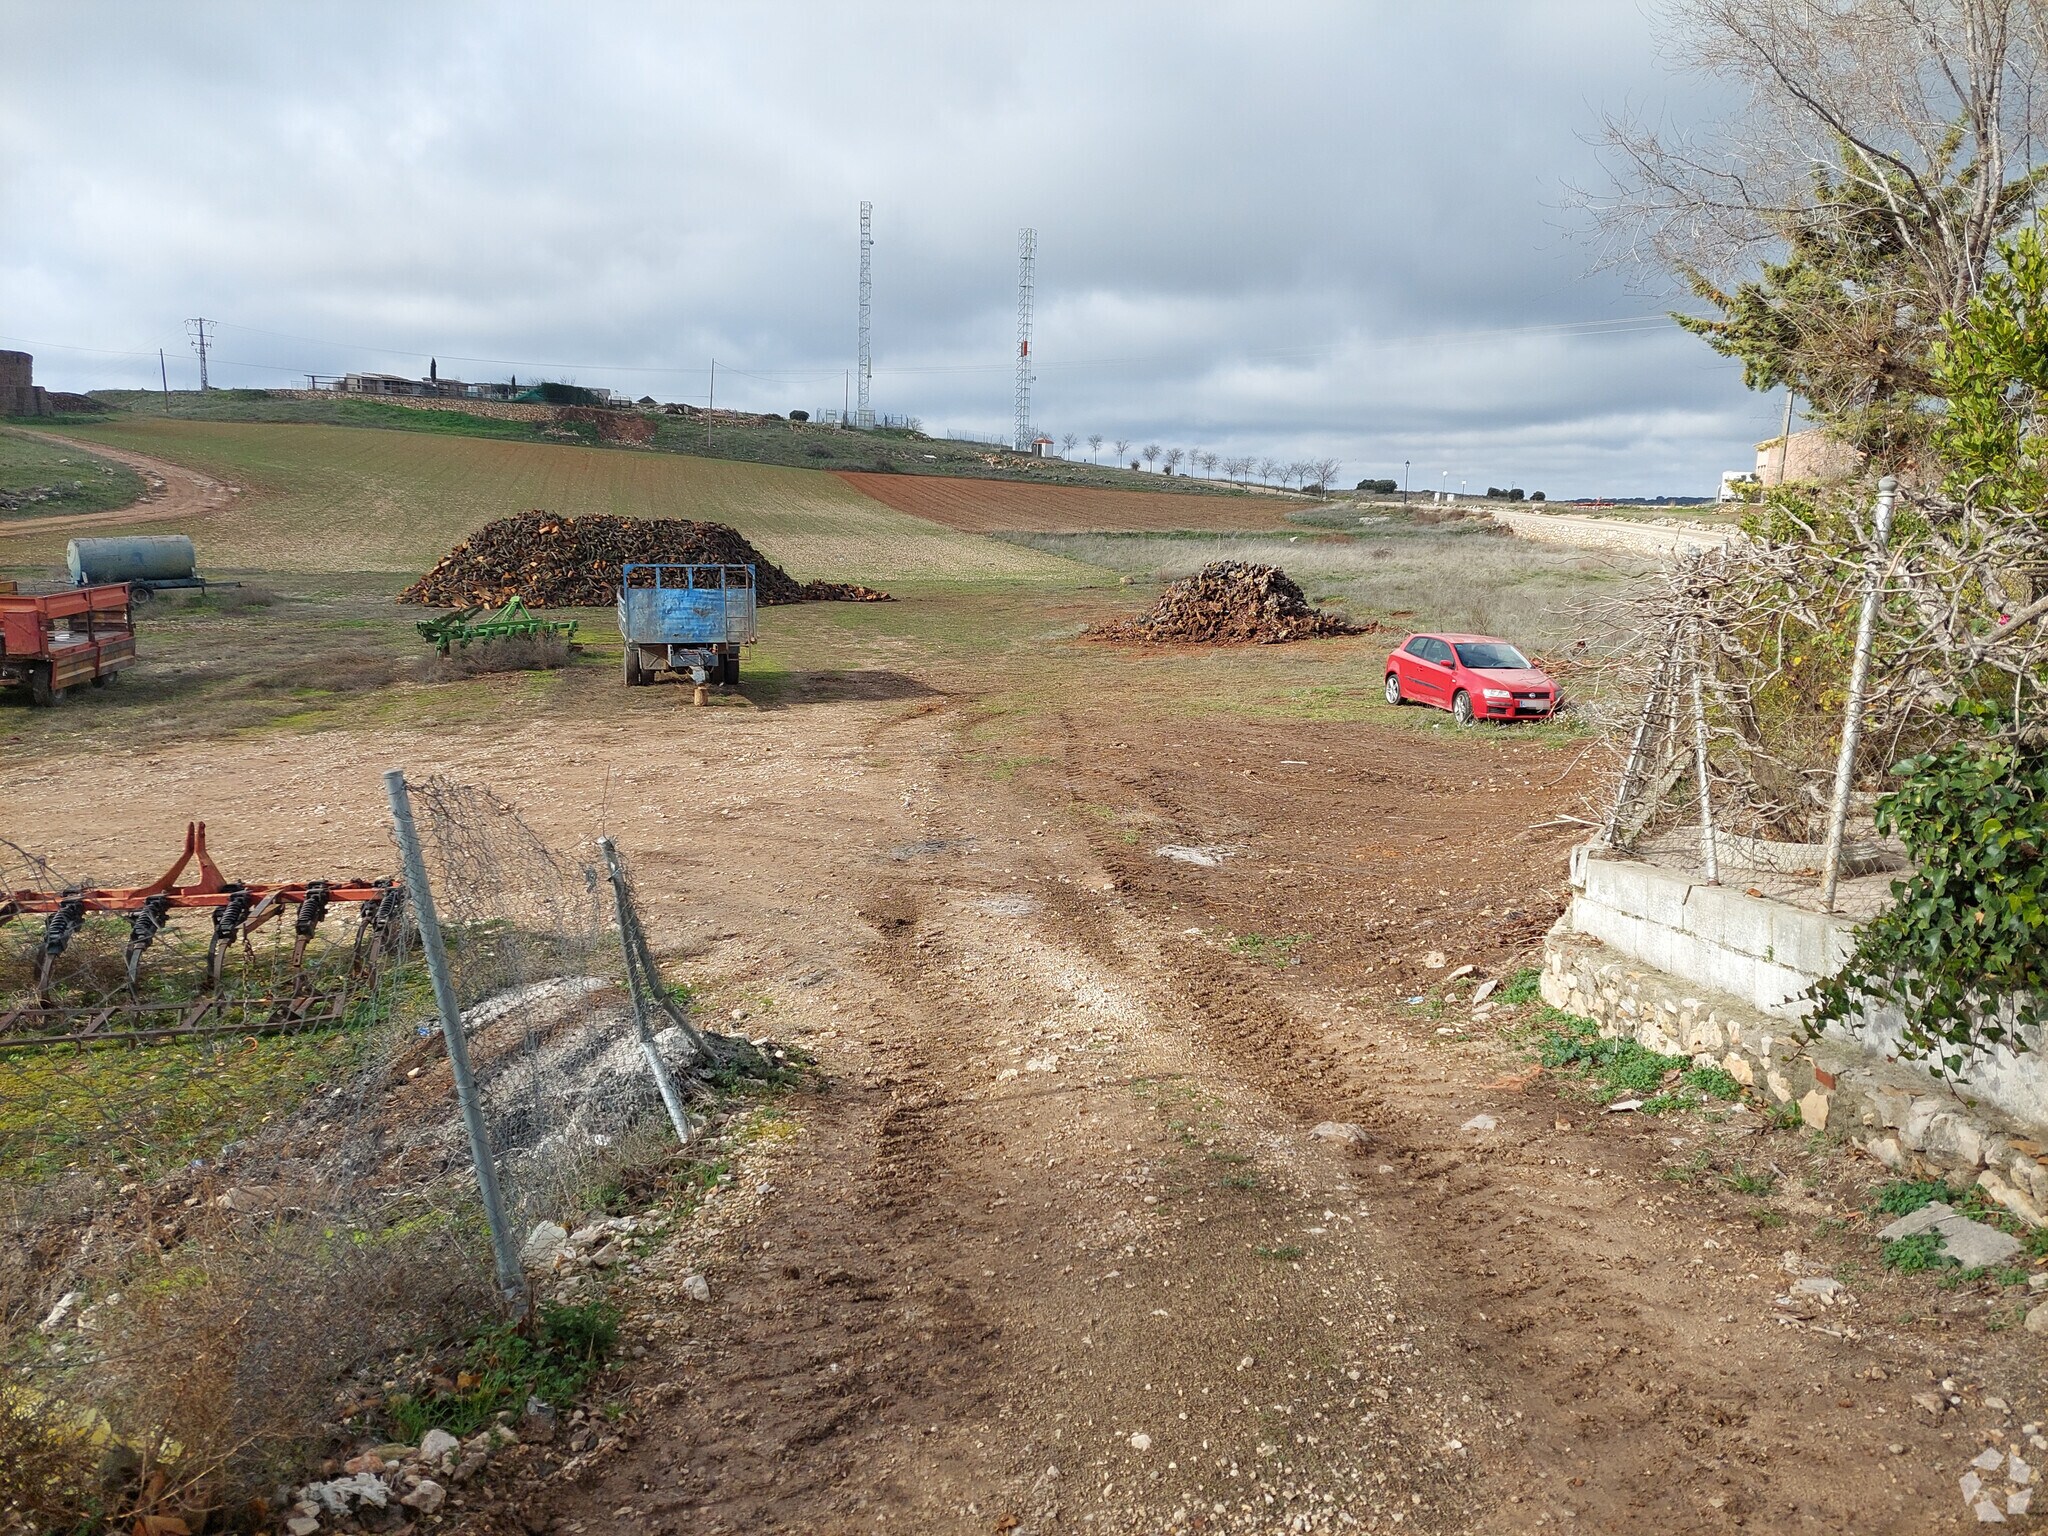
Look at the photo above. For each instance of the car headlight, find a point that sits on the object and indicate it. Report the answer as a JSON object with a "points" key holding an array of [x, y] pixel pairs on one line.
{"points": [[1496, 693]]}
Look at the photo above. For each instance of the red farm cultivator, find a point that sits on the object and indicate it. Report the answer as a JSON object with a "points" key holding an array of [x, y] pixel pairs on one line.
{"points": [[208, 956]]}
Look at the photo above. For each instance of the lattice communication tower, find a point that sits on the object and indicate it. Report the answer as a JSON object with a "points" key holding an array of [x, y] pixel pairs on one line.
{"points": [[1027, 253], [863, 409]]}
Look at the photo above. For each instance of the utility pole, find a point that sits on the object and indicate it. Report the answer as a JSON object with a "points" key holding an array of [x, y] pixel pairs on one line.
{"points": [[1785, 438], [1404, 482], [710, 401], [163, 371], [200, 342]]}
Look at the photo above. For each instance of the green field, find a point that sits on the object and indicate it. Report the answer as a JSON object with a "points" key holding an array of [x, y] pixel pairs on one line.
{"points": [[39, 478], [325, 498]]}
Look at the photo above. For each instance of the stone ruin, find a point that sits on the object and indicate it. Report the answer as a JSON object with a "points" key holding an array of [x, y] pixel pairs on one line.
{"points": [[19, 394]]}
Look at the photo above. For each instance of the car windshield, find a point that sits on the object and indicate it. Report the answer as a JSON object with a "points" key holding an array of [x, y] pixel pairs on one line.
{"points": [[1489, 654]]}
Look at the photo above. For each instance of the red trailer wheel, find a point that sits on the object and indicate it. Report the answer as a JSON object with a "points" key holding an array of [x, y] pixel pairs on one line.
{"points": [[40, 693]]}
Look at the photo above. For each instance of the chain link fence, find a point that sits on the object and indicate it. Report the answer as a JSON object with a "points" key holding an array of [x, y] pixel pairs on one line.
{"points": [[226, 1212]]}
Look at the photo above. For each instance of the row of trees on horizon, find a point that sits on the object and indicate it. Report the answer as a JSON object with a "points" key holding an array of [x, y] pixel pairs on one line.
{"points": [[1301, 474]]}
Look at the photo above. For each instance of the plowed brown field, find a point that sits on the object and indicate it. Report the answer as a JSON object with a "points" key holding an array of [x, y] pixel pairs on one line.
{"points": [[1005, 506]]}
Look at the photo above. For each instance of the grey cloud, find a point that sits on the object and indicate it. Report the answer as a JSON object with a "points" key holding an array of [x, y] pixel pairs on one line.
{"points": [[1237, 205]]}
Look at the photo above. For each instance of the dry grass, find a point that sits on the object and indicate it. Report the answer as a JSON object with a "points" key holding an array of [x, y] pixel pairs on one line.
{"points": [[319, 498], [514, 653], [1450, 575], [1002, 506]]}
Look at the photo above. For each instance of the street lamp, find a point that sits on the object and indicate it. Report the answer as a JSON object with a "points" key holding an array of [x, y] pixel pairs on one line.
{"points": [[1404, 482]]}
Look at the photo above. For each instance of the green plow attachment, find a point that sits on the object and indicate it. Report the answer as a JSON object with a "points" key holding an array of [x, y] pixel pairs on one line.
{"points": [[515, 618]]}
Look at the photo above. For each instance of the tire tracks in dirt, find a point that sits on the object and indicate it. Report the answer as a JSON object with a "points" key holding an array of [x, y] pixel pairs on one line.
{"points": [[175, 493]]}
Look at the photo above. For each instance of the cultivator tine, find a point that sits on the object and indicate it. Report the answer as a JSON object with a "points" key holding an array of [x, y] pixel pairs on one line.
{"points": [[227, 927], [143, 929], [378, 930], [312, 908], [57, 931]]}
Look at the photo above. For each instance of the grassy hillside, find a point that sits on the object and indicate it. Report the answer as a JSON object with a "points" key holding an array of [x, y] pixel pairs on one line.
{"points": [[325, 498], [41, 479], [793, 445]]}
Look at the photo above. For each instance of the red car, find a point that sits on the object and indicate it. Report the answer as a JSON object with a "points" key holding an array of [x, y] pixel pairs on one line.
{"points": [[1475, 677]]}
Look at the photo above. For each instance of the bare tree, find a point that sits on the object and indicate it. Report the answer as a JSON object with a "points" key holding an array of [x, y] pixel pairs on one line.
{"points": [[1123, 446], [1268, 468], [1208, 459], [1067, 441], [1853, 199], [1173, 458], [1151, 452], [1094, 445], [1325, 471]]}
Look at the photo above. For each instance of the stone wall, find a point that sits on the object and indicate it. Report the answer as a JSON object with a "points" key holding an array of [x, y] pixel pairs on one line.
{"points": [[1808, 456], [1896, 1112], [1661, 537], [19, 395]]}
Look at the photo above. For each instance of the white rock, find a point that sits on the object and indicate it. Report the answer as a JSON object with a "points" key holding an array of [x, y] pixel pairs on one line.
{"points": [[1436, 960], [696, 1287], [2037, 1320], [544, 1244], [437, 1443], [2019, 1501], [59, 1312], [1989, 1513], [302, 1525], [427, 1497], [1480, 1123], [1990, 1459], [1049, 1062], [1141, 1442], [1825, 1288], [1339, 1130]]}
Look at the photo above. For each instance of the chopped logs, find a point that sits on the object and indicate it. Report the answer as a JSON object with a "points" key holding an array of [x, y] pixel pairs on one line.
{"points": [[573, 562], [1230, 603]]}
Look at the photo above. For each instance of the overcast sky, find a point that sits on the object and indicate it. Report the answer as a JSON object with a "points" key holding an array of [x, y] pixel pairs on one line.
{"points": [[1294, 229]]}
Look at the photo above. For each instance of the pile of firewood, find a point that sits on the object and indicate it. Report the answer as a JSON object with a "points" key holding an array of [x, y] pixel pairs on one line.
{"points": [[1230, 603], [574, 562]]}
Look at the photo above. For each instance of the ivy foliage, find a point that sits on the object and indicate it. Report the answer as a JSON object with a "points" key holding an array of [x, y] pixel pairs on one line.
{"points": [[1963, 950]]}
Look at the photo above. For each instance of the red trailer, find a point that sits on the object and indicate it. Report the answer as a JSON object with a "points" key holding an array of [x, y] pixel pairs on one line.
{"points": [[53, 641]]}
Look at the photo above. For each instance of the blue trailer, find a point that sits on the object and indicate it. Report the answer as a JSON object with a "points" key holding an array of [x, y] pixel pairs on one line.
{"points": [[691, 619]]}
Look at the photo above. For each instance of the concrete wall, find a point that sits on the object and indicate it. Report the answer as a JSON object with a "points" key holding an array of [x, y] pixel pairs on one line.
{"points": [[1661, 537], [1761, 955]]}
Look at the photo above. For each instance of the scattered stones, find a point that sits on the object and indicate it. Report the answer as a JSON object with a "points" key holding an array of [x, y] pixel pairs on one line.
{"points": [[1480, 1123], [1818, 1285], [438, 1444], [539, 1421], [1969, 1243], [2037, 1320], [1436, 960], [426, 1497], [1484, 991], [696, 1287], [1204, 857], [339, 1495], [57, 1314]]}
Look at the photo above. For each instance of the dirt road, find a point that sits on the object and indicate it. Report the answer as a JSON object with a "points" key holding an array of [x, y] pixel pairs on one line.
{"points": [[174, 494], [1054, 1247]]}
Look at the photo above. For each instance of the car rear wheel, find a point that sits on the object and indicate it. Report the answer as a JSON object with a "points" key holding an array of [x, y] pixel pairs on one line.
{"points": [[1394, 689], [1461, 708]]}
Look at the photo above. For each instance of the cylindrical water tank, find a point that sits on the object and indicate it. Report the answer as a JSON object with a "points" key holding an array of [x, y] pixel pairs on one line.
{"points": [[148, 557]]}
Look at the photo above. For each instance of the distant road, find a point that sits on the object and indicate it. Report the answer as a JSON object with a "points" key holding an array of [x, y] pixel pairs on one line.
{"points": [[1611, 533]]}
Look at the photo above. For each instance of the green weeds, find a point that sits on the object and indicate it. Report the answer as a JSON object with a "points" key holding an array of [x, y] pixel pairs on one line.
{"points": [[1525, 986], [1273, 949], [1612, 1069], [1902, 1197], [1286, 1252], [1911, 1255], [553, 1358]]}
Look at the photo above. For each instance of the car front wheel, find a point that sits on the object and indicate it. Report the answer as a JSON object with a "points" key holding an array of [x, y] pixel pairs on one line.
{"points": [[1394, 688], [1461, 708]]}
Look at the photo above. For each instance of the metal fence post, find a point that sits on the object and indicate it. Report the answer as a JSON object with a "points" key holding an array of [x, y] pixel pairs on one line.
{"points": [[504, 1252], [671, 1097], [1699, 753], [1859, 674]]}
